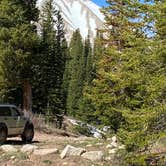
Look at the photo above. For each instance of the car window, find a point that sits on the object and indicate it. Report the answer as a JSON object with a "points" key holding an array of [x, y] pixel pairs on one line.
{"points": [[5, 111], [15, 111]]}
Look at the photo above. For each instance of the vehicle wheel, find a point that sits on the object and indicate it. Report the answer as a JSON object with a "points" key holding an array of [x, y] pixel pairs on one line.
{"points": [[28, 133], [3, 134]]}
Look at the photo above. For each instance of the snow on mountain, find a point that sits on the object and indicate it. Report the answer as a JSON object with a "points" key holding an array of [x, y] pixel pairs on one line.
{"points": [[82, 14]]}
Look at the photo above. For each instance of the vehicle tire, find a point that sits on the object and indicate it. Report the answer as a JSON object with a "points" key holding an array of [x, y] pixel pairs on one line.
{"points": [[28, 133], [3, 134]]}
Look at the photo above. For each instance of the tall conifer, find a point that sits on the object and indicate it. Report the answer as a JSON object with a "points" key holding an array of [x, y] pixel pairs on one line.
{"points": [[76, 73], [51, 61], [119, 93], [18, 46]]}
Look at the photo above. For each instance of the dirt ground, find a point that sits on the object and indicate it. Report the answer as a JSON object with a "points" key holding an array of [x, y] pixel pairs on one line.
{"points": [[43, 140]]}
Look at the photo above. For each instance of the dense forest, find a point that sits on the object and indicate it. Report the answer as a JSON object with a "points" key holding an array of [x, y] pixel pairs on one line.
{"points": [[118, 80]]}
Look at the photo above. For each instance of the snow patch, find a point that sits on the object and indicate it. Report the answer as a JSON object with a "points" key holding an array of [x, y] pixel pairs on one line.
{"points": [[79, 14]]}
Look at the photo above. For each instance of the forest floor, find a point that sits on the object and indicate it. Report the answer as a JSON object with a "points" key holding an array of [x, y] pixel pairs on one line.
{"points": [[45, 141]]}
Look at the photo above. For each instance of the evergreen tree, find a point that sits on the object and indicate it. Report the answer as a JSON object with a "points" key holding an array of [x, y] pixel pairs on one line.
{"points": [[120, 92], [66, 77], [76, 73], [88, 65], [18, 46], [51, 61], [157, 123], [85, 109]]}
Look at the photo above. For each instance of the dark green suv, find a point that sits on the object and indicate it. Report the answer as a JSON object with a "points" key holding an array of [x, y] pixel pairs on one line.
{"points": [[13, 123]]}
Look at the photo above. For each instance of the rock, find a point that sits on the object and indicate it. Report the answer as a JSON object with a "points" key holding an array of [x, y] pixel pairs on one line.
{"points": [[159, 146], [93, 155], [92, 130], [12, 157], [121, 147], [97, 135], [99, 143], [113, 151], [106, 128], [109, 158], [28, 148], [114, 139], [42, 152], [109, 146], [114, 144], [109, 139], [71, 151], [89, 145], [8, 148]]}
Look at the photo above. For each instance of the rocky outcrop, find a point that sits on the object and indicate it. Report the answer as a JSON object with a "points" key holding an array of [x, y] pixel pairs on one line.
{"points": [[71, 151]]}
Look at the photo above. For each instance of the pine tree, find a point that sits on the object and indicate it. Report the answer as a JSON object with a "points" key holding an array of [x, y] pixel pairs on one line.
{"points": [[66, 77], [88, 65], [51, 61], [85, 112], [76, 73], [119, 93], [18, 46], [157, 123]]}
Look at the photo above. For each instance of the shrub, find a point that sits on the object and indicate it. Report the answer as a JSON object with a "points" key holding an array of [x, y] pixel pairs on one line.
{"points": [[82, 130]]}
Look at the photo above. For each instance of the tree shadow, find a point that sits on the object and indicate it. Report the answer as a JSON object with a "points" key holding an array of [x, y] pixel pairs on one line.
{"points": [[19, 142]]}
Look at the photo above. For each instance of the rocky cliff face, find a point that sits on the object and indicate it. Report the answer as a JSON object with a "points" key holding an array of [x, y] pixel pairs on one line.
{"points": [[82, 14]]}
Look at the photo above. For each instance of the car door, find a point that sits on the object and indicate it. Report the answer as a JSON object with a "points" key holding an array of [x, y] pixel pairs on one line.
{"points": [[19, 121], [6, 118]]}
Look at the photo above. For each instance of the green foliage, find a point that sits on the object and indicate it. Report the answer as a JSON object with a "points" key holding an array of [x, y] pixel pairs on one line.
{"points": [[50, 62], [86, 108], [82, 130], [128, 159], [18, 45], [79, 71], [76, 73], [128, 91]]}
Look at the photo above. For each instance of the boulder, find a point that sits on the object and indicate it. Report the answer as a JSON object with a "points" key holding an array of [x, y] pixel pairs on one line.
{"points": [[121, 147], [97, 135], [43, 152], [114, 144], [71, 151], [12, 157], [93, 155], [113, 151], [114, 139], [109, 158], [109, 139], [99, 143], [106, 128], [28, 148], [8, 148], [109, 146]]}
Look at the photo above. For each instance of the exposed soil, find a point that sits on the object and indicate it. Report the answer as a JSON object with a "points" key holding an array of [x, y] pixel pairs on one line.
{"points": [[43, 140]]}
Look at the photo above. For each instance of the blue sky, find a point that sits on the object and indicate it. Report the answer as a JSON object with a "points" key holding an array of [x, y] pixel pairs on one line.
{"points": [[103, 2], [100, 2]]}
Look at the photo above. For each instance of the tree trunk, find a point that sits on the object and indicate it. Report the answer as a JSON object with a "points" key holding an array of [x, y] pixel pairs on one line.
{"points": [[27, 98]]}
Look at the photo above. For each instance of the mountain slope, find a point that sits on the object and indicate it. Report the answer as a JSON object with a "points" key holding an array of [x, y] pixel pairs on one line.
{"points": [[82, 14]]}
